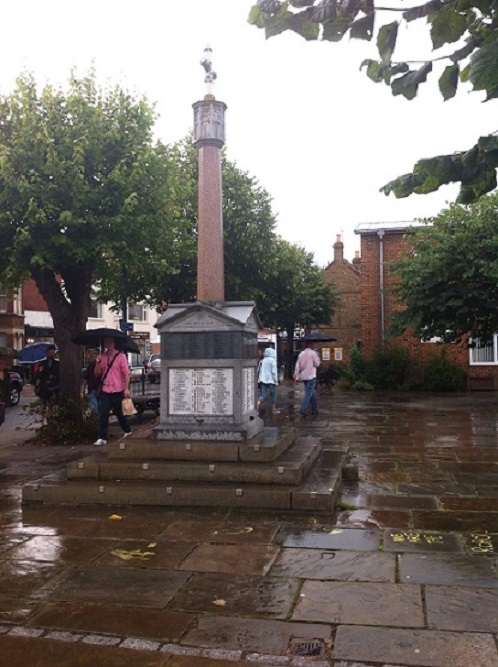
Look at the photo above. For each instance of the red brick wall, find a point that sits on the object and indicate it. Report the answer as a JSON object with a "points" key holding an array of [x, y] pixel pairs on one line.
{"points": [[32, 298], [345, 324], [394, 246]]}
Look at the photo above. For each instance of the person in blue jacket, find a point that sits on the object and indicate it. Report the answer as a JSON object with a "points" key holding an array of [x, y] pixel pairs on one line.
{"points": [[268, 378]]}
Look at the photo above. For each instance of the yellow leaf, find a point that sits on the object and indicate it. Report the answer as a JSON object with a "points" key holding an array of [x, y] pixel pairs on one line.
{"points": [[219, 603], [115, 517]]}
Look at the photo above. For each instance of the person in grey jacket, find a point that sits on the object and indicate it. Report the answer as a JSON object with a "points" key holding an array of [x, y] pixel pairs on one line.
{"points": [[268, 377]]}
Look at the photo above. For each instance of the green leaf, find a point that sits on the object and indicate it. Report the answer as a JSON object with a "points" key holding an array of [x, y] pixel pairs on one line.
{"points": [[447, 26], [363, 28], [257, 17], [489, 143], [305, 28], [325, 11], [386, 41], [408, 84], [375, 70], [403, 186], [334, 31], [465, 51], [483, 69], [422, 10], [448, 81]]}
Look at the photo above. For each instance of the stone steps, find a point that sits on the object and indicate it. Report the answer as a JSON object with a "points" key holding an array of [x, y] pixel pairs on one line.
{"points": [[313, 495], [265, 447], [290, 468], [275, 470]]}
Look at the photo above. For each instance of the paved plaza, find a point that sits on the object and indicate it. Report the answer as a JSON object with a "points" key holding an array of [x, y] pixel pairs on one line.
{"points": [[403, 574]]}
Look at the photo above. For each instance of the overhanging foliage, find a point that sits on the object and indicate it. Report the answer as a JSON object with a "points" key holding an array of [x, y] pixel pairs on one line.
{"points": [[466, 30]]}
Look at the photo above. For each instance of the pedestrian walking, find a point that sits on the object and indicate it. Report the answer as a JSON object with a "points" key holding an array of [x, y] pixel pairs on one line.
{"points": [[47, 382], [111, 368], [91, 382], [305, 371], [268, 379]]}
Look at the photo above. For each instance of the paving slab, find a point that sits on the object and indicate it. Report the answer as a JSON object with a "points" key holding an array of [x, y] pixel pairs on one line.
{"points": [[335, 565], [420, 648], [60, 549], [157, 624], [17, 609], [482, 543], [448, 570], [371, 518], [229, 595], [462, 609], [228, 532], [23, 577], [334, 538], [127, 586], [347, 603], [270, 637], [149, 554], [422, 541], [246, 559]]}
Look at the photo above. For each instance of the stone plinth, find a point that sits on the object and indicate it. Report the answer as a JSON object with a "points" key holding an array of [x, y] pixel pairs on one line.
{"points": [[208, 372]]}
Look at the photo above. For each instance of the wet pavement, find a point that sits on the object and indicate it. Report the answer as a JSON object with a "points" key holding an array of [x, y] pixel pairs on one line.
{"points": [[405, 573]]}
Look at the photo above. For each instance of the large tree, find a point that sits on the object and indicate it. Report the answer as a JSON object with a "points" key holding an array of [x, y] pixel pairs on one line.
{"points": [[464, 36], [448, 280], [84, 192], [295, 294]]}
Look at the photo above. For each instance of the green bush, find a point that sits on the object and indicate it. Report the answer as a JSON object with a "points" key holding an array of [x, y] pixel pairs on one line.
{"points": [[70, 422], [442, 374], [388, 368]]}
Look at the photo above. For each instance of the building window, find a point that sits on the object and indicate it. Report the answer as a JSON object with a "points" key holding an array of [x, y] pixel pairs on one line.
{"points": [[484, 355], [95, 310], [3, 303], [136, 311], [17, 301]]}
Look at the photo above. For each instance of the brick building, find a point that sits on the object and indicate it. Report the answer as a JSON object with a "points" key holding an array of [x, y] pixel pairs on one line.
{"points": [[38, 323], [11, 319], [382, 243], [345, 276]]}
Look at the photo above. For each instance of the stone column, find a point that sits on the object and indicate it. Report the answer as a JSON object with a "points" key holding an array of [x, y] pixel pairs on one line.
{"points": [[209, 138]]}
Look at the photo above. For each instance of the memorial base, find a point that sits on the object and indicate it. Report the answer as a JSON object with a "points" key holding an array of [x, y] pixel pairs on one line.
{"points": [[217, 432], [209, 372]]}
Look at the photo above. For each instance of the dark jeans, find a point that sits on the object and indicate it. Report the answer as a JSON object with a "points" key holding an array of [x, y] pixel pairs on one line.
{"points": [[108, 402]]}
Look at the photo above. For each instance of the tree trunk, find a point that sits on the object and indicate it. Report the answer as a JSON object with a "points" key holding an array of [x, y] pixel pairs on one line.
{"points": [[69, 317]]}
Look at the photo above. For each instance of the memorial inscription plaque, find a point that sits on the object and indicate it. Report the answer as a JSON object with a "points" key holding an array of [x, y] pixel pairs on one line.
{"points": [[248, 381], [201, 391]]}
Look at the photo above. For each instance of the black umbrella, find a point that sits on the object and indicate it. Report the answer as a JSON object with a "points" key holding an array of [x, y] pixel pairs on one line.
{"points": [[95, 338], [318, 337]]}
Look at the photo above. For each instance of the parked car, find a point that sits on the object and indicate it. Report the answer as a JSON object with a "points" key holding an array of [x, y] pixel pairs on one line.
{"points": [[153, 367], [16, 387]]}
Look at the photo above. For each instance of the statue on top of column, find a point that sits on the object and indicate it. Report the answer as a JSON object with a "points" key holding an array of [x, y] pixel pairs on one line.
{"points": [[208, 68]]}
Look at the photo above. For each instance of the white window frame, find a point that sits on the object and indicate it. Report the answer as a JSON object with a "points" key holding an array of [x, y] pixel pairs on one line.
{"points": [[142, 312], [493, 348], [98, 306]]}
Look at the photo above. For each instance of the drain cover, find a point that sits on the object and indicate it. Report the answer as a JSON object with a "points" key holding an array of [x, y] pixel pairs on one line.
{"points": [[308, 649]]}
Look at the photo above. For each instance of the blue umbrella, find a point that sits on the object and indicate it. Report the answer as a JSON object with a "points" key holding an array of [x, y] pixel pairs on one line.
{"points": [[31, 354]]}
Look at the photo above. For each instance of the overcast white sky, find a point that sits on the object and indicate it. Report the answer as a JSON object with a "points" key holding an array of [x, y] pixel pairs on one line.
{"points": [[314, 130]]}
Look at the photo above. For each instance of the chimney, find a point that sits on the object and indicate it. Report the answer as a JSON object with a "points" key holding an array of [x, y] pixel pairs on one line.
{"points": [[357, 260], [338, 249]]}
